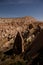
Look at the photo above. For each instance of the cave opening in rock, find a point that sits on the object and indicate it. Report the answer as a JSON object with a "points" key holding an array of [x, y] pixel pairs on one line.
{"points": [[17, 44]]}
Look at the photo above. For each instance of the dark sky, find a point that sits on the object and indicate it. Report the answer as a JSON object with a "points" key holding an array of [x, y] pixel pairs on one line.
{"points": [[19, 8]]}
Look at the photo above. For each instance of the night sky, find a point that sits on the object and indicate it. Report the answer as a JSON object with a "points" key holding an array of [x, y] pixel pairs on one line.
{"points": [[20, 8]]}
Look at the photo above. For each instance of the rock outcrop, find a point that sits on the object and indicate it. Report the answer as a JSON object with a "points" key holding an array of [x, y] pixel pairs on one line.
{"points": [[22, 37]]}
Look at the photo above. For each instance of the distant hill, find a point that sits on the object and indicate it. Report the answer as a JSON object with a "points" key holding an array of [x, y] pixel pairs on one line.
{"points": [[20, 21], [26, 18], [10, 26]]}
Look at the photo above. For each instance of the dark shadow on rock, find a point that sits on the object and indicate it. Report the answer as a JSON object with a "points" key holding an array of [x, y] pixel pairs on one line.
{"points": [[35, 47], [39, 59], [17, 48]]}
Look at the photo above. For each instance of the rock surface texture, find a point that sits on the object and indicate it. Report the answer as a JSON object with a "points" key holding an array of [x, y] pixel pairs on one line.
{"points": [[21, 41]]}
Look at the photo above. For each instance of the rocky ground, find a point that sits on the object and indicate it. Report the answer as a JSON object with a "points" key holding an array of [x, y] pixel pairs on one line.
{"points": [[28, 27]]}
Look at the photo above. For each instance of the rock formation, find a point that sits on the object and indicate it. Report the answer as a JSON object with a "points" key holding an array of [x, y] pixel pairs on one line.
{"points": [[22, 37]]}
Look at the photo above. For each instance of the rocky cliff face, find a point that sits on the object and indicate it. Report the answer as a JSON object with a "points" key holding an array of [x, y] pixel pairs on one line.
{"points": [[28, 27], [10, 26]]}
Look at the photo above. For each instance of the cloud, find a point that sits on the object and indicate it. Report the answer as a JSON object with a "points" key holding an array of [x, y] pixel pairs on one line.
{"points": [[19, 1]]}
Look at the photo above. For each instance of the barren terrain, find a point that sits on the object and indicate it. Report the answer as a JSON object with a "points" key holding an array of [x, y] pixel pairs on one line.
{"points": [[9, 27]]}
